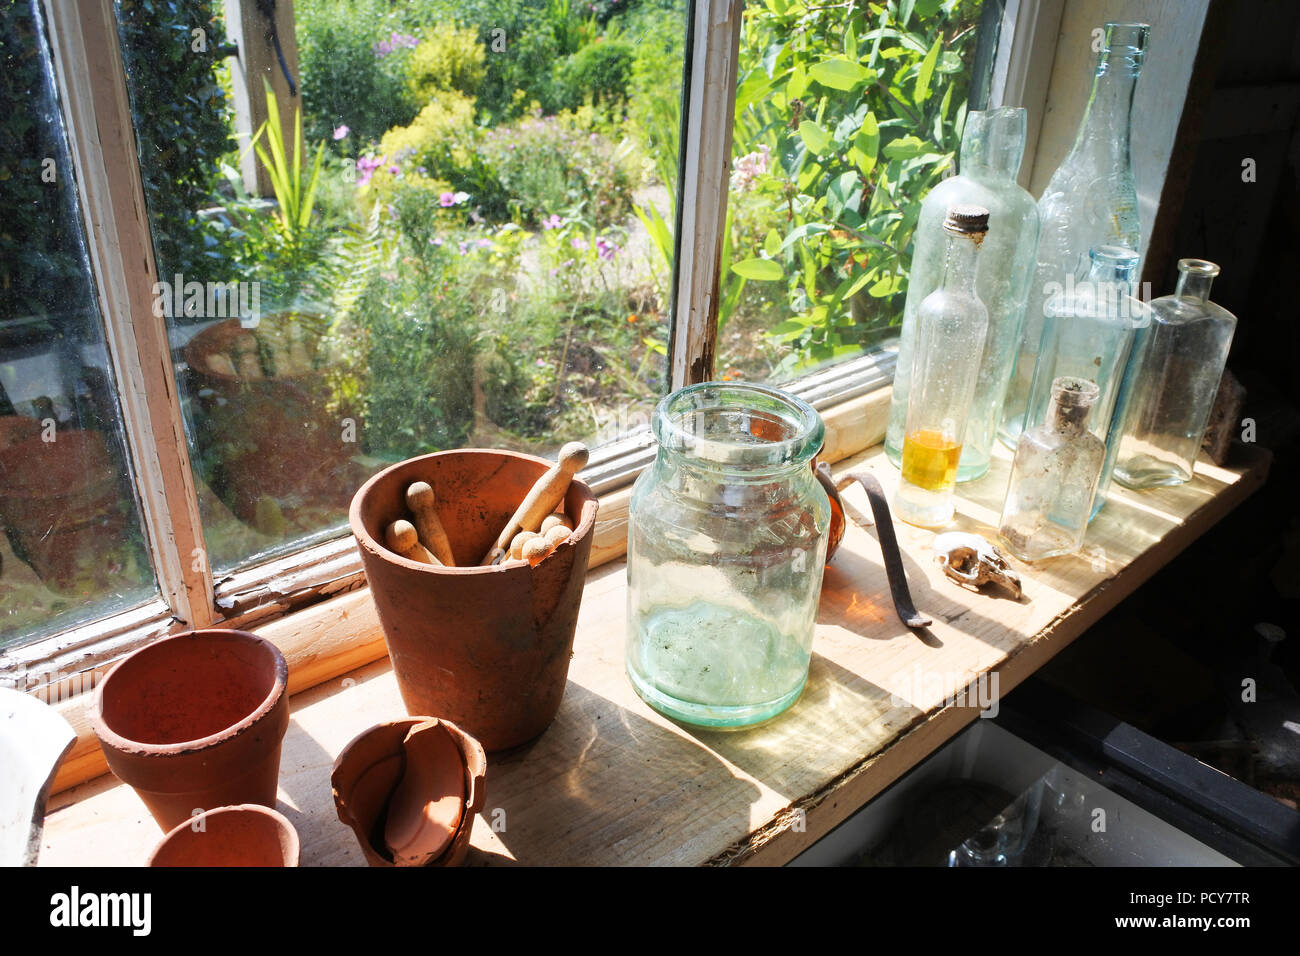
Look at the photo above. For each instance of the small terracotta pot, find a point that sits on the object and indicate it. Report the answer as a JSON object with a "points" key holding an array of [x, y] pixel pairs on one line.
{"points": [[487, 648], [195, 721], [368, 771], [246, 835]]}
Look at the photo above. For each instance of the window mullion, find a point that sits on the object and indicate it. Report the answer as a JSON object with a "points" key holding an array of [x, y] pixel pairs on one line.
{"points": [[96, 108], [709, 104]]}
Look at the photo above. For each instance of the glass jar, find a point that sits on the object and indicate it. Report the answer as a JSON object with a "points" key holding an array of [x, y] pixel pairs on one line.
{"points": [[1091, 200], [951, 325], [1054, 477], [1162, 423], [727, 535], [992, 145]]}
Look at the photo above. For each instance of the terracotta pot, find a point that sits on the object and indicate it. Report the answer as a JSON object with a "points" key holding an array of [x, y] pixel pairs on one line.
{"points": [[277, 435], [195, 722], [62, 502], [487, 648], [244, 835], [368, 771]]}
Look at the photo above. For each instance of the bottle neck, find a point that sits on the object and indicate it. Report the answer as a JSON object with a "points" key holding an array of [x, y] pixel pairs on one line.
{"points": [[1068, 419], [1194, 287], [1104, 130], [959, 258]]}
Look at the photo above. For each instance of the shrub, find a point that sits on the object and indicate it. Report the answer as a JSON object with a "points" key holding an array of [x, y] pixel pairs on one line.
{"points": [[439, 141], [450, 59], [550, 165], [599, 73], [352, 72], [182, 123]]}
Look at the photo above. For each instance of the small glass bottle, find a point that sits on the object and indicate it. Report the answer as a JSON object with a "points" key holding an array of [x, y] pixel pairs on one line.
{"points": [[1091, 200], [992, 145], [1054, 476], [727, 537], [1090, 330], [1165, 413], [951, 325]]}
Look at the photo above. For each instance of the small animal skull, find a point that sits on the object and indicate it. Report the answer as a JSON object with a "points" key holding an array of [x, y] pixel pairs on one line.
{"points": [[970, 560]]}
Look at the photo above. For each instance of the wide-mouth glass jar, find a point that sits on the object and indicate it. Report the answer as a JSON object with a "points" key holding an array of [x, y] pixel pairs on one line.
{"points": [[727, 535]]}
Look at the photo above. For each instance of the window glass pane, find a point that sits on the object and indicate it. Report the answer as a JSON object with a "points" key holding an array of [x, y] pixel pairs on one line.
{"points": [[472, 245], [71, 548], [846, 116]]}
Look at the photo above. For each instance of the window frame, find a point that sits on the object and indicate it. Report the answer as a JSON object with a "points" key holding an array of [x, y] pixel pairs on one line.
{"points": [[295, 591]]}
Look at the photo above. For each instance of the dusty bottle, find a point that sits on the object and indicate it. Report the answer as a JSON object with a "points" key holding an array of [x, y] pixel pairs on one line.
{"points": [[1054, 477], [1164, 414], [1091, 330], [951, 325], [1091, 200], [992, 145]]}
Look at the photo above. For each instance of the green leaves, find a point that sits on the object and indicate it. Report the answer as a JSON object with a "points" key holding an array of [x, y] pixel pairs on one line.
{"points": [[921, 92], [840, 73], [814, 137], [760, 270]]}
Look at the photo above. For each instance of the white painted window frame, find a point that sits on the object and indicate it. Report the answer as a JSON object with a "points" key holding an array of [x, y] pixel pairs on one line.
{"points": [[96, 109]]}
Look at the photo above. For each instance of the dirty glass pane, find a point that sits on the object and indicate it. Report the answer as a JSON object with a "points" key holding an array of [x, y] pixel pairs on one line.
{"points": [[71, 548], [846, 116], [469, 244]]}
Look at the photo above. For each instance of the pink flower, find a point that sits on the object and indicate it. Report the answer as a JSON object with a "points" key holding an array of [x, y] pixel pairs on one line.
{"points": [[340, 132], [577, 242], [447, 199], [606, 249], [552, 222]]}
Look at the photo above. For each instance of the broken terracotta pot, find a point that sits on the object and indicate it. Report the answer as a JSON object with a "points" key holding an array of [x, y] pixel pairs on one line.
{"points": [[486, 648], [373, 793], [244, 835], [194, 722]]}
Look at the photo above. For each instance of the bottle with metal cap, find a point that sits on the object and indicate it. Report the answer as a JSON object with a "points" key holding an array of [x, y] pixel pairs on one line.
{"points": [[1091, 200], [992, 145], [951, 326]]}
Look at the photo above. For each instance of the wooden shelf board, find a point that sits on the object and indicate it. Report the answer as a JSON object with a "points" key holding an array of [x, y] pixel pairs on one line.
{"points": [[613, 782]]}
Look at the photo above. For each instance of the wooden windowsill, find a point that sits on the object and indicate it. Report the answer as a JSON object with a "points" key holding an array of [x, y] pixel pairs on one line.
{"points": [[613, 782]]}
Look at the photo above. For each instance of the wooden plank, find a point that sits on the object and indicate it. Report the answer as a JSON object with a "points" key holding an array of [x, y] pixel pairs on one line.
{"points": [[709, 103], [613, 782]]}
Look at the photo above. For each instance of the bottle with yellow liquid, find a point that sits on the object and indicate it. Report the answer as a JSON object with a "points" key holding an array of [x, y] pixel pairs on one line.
{"points": [[951, 327]]}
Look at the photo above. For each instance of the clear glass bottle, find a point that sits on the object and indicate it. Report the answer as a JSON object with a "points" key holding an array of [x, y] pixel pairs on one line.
{"points": [[1091, 329], [1091, 200], [1164, 415], [727, 536], [1054, 476], [992, 145], [951, 325]]}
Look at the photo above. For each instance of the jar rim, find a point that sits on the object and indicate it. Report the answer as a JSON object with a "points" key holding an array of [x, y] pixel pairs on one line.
{"points": [[798, 430]]}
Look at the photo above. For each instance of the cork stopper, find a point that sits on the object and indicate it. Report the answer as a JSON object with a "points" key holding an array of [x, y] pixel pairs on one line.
{"points": [[967, 219], [1072, 400]]}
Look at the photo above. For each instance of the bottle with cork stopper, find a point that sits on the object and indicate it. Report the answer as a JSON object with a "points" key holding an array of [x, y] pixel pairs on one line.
{"points": [[951, 326], [1054, 476]]}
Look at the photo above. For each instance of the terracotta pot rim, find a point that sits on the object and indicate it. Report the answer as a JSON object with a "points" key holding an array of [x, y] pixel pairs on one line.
{"points": [[281, 822], [279, 687], [195, 351], [586, 521]]}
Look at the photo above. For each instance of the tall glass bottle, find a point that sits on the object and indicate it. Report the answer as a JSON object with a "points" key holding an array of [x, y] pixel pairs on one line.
{"points": [[951, 325], [992, 145], [1163, 418], [1091, 200], [1091, 329], [1054, 477]]}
